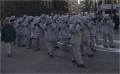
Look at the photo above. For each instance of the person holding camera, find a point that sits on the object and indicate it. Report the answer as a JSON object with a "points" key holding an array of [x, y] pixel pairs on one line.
{"points": [[93, 29], [75, 40], [65, 33], [108, 29], [20, 32], [50, 38], [55, 30], [35, 33], [86, 36], [27, 26]]}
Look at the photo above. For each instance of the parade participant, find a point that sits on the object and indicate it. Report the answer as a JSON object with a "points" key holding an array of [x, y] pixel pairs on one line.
{"points": [[12, 21], [35, 33], [55, 30], [108, 27], [49, 34], [60, 24], [42, 22], [59, 27], [27, 26], [23, 22], [93, 29], [14, 24], [75, 41], [86, 36], [8, 35], [20, 32], [55, 17], [65, 32], [24, 16]]}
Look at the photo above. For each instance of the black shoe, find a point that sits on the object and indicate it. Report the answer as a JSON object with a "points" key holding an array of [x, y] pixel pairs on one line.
{"points": [[14, 42], [36, 49], [105, 46], [66, 50], [9, 55], [19, 45], [82, 65], [94, 50], [73, 61], [23, 45], [98, 43], [48, 53], [91, 55], [56, 47], [112, 46], [51, 56], [82, 54]]}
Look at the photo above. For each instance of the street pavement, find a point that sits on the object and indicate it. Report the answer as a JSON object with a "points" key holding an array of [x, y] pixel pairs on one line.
{"points": [[105, 60]]}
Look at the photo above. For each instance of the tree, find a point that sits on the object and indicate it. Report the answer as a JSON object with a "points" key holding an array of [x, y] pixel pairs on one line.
{"points": [[87, 4]]}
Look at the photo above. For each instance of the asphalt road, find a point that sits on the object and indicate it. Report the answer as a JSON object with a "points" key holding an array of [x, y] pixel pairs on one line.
{"points": [[29, 61]]}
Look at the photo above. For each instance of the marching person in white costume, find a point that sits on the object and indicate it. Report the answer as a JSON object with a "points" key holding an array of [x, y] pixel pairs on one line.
{"points": [[65, 32], [20, 32], [36, 33], [27, 26], [108, 27], [49, 28], [56, 30], [93, 29], [86, 36], [75, 41]]}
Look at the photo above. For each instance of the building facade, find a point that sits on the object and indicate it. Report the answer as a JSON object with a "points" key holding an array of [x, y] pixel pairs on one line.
{"points": [[59, 6], [33, 7], [104, 7], [88, 6], [73, 6]]}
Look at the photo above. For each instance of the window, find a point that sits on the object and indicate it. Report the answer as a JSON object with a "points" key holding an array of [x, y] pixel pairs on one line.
{"points": [[107, 1], [37, 5], [15, 13], [8, 14], [15, 4], [20, 5], [28, 13], [8, 4], [36, 13], [34, 5]]}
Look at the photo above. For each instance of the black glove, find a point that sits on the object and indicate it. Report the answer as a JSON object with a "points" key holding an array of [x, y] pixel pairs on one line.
{"points": [[19, 23], [66, 22]]}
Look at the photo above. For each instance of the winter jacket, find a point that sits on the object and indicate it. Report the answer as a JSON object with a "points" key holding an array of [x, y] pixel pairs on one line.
{"points": [[8, 33]]}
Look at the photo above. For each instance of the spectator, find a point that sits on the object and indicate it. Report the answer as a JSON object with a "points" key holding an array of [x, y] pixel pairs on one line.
{"points": [[8, 35], [116, 21], [0, 24]]}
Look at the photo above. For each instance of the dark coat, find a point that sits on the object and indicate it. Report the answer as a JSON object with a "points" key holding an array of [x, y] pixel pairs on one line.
{"points": [[8, 33], [116, 19]]}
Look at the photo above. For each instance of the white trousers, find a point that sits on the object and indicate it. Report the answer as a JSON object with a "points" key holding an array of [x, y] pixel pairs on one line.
{"points": [[110, 38], [77, 54]]}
